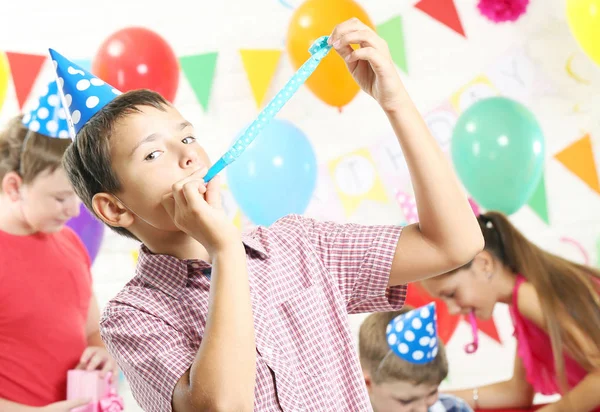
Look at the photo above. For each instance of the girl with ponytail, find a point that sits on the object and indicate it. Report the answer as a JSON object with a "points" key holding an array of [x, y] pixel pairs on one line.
{"points": [[555, 308]]}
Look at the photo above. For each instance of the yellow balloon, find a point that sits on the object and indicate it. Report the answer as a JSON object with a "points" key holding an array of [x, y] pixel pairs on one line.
{"points": [[584, 19], [331, 81], [4, 75]]}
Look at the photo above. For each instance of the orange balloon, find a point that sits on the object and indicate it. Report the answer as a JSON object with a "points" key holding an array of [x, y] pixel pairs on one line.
{"points": [[331, 81]]}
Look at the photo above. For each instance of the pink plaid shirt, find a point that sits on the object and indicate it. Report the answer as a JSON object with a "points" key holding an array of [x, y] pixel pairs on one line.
{"points": [[305, 278]]}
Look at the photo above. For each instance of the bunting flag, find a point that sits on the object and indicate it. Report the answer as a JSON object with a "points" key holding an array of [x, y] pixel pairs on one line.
{"points": [[579, 159], [260, 66], [356, 179], [443, 11], [539, 201], [24, 69], [477, 89], [4, 77], [200, 72], [392, 32]]}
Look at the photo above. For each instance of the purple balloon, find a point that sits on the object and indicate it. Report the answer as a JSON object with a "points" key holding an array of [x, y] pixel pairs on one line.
{"points": [[89, 229]]}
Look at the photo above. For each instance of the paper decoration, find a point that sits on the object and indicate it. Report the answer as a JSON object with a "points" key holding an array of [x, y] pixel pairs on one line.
{"points": [[24, 69], [200, 72], [412, 336], [441, 122], [260, 66], [477, 89], [539, 202], [443, 11], [392, 32], [579, 159], [579, 246], [356, 180], [409, 207], [571, 73], [4, 77]]}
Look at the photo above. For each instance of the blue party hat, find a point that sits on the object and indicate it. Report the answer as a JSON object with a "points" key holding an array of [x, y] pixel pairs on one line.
{"points": [[83, 94], [413, 337], [48, 116]]}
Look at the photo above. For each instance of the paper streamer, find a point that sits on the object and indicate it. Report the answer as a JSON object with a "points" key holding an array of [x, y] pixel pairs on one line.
{"points": [[318, 51], [586, 257], [571, 72]]}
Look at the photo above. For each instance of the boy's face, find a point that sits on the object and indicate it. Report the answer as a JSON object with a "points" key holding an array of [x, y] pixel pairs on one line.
{"points": [[402, 396], [48, 202], [151, 150]]}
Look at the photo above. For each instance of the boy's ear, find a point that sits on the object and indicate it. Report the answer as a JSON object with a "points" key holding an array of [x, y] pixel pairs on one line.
{"points": [[11, 185], [111, 211], [368, 380]]}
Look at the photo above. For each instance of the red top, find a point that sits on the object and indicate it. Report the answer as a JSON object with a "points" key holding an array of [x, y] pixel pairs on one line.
{"points": [[45, 292]]}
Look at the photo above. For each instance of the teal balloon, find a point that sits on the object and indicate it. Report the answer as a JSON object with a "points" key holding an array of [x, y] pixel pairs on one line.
{"points": [[498, 152], [276, 175]]}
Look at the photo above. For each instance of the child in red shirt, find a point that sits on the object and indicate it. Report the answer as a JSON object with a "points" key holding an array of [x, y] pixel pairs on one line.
{"points": [[49, 321]]}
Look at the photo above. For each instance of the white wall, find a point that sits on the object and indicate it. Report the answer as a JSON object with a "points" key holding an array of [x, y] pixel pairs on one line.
{"points": [[440, 62]]}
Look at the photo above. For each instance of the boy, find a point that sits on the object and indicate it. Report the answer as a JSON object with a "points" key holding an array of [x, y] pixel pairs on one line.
{"points": [[49, 321], [213, 321], [404, 363]]}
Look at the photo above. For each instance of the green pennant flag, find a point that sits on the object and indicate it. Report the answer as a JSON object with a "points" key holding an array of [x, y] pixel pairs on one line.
{"points": [[200, 72], [392, 32], [539, 202]]}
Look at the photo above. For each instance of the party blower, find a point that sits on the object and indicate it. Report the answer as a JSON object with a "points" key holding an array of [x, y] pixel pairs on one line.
{"points": [[473, 346], [318, 51]]}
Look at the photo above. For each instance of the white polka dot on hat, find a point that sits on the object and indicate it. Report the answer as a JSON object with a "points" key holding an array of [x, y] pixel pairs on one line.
{"points": [[412, 336]]}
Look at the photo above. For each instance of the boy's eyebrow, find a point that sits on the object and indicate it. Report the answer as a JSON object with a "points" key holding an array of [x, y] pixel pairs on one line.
{"points": [[152, 137]]}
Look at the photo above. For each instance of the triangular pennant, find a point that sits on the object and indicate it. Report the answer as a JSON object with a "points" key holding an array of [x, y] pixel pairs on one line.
{"points": [[443, 11], [489, 328], [200, 72], [539, 202], [356, 179], [392, 32], [579, 159], [24, 69], [260, 67]]}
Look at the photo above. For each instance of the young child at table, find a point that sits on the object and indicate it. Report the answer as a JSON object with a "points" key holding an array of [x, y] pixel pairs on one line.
{"points": [[49, 318], [555, 308], [218, 321], [404, 362]]}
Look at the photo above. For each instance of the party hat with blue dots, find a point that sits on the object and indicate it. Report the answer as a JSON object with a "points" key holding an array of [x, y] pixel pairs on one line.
{"points": [[413, 337], [48, 116], [83, 94]]}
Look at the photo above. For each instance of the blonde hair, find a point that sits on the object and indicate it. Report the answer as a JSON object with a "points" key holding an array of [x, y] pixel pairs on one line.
{"points": [[373, 347], [28, 153]]}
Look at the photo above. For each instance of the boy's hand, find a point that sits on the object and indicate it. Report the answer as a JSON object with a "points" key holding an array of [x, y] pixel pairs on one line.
{"points": [[196, 209], [98, 358], [371, 65]]}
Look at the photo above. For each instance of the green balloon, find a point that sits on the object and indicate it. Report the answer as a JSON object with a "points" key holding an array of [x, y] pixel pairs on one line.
{"points": [[498, 152]]}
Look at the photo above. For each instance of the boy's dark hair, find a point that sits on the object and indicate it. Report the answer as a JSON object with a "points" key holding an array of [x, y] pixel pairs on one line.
{"points": [[28, 153], [88, 160], [373, 347]]}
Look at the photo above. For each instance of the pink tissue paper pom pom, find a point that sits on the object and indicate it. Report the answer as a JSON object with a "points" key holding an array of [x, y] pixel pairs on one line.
{"points": [[500, 11]]}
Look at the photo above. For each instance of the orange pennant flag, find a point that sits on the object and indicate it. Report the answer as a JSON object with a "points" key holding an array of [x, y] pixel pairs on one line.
{"points": [[579, 159]]}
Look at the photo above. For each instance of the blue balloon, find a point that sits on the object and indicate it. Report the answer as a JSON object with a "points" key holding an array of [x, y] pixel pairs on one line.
{"points": [[276, 175]]}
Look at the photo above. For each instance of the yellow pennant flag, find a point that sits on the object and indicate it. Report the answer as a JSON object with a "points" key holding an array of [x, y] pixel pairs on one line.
{"points": [[356, 179], [4, 76], [579, 159], [260, 66]]}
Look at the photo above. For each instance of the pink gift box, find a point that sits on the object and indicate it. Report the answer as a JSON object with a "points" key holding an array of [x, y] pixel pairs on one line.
{"points": [[89, 385]]}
